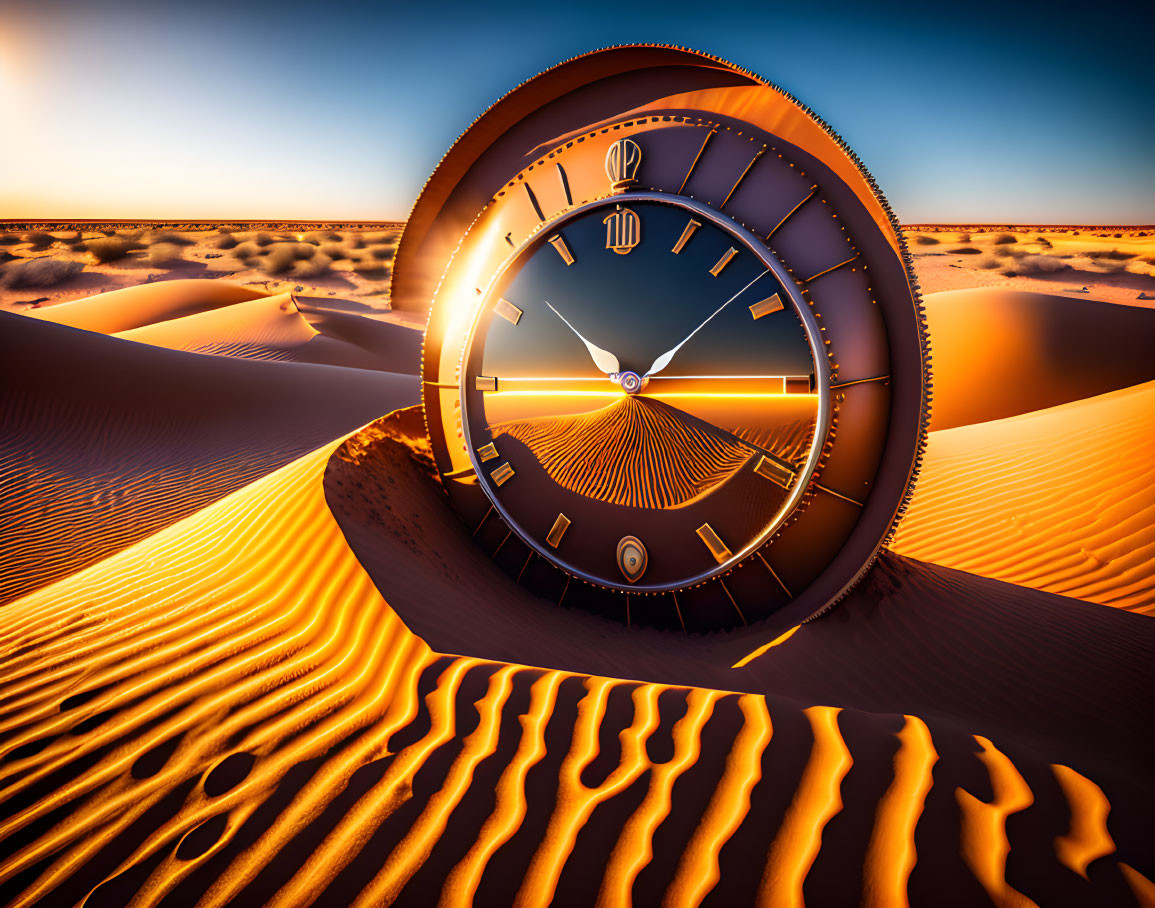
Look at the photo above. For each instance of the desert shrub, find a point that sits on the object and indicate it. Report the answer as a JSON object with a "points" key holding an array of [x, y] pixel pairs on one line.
{"points": [[225, 241], [926, 240], [5, 256], [39, 239], [1043, 241], [246, 252], [1004, 253], [280, 257], [111, 248], [356, 241], [335, 251], [39, 272], [9, 239], [312, 267], [965, 250], [964, 237], [370, 269], [1034, 264], [1004, 239], [163, 253], [989, 262], [170, 238], [382, 253], [258, 238], [1111, 255], [317, 237]]}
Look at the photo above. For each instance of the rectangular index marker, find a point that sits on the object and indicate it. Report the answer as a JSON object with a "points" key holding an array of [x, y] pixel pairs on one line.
{"points": [[557, 531], [724, 261], [507, 311], [768, 306], [716, 546], [558, 243], [774, 471], [686, 234], [485, 383]]}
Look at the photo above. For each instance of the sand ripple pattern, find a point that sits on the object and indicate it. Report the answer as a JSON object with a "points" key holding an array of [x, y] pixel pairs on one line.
{"points": [[1061, 500], [229, 713], [636, 452]]}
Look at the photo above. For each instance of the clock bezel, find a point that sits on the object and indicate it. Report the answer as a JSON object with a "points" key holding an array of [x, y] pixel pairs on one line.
{"points": [[813, 337]]}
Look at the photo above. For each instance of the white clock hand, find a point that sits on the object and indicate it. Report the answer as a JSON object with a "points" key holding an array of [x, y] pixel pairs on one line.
{"points": [[664, 360], [603, 359]]}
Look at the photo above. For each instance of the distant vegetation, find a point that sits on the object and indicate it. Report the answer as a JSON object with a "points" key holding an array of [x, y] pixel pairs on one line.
{"points": [[109, 249], [43, 272]]}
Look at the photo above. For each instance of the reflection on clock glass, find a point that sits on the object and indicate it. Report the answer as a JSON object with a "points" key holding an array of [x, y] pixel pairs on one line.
{"points": [[639, 372]]}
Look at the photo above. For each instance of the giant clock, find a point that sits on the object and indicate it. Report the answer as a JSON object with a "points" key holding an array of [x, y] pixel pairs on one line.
{"points": [[674, 369]]}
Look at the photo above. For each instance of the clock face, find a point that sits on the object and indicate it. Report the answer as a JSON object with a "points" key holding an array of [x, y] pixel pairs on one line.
{"points": [[640, 393], [674, 369]]}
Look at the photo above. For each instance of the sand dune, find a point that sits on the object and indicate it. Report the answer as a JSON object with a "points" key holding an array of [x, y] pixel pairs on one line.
{"points": [[255, 725], [103, 442], [635, 452], [269, 328], [1000, 352], [1060, 500], [145, 304]]}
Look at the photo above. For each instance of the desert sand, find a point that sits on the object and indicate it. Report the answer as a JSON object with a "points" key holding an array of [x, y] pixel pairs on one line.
{"points": [[250, 656]]}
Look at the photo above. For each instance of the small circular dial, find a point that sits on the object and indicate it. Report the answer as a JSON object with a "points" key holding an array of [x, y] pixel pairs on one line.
{"points": [[640, 393]]}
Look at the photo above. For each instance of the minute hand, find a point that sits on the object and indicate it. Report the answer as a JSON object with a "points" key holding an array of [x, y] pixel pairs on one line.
{"points": [[664, 360]]}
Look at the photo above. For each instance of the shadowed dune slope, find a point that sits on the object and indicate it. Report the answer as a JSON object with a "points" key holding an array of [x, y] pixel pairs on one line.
{"points": [[254, 725], [1000, 353], [103, 442], [1060, 500], [145, 304], [270, 328]]}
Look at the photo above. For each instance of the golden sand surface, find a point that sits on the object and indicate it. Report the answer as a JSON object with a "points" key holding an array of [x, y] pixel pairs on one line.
{"points": [[212, 690]]}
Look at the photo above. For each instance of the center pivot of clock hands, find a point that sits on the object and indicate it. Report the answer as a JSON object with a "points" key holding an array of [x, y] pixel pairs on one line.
{"points": [[630, 382]]}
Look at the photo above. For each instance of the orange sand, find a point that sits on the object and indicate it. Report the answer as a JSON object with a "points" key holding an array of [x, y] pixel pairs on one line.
{"points": [[222, 678], [1060, 500]]}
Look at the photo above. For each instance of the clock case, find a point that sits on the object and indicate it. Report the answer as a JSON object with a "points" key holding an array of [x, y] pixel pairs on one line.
{"points": [[741, 147]]}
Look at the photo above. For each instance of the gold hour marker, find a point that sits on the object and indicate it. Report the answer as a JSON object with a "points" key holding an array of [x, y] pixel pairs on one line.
{"points": [[768, 306], [724, 261], [686, 234], [487, 452], [488, 382], [508, 311], [502, 474], [557, 531], [558, 243], [774, 471], [716, 546]]}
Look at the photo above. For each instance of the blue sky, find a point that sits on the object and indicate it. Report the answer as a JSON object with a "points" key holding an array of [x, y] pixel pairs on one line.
{"points": [[964, 112]]}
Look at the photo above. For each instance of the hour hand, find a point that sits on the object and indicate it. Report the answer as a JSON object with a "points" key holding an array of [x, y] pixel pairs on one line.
{"points": [[603, 359]]}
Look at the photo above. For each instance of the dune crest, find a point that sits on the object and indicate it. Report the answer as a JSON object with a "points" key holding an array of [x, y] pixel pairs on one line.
{"points": [[1060, 500], [145, 304], [636, 452], [1000, 352]]}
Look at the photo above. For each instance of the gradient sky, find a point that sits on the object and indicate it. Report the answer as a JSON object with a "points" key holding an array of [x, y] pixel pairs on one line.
{"points": [[964, 112]]}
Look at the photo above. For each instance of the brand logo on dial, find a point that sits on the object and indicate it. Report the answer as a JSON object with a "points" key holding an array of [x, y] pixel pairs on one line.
{"points": [[632, 558], [622, 162], [623, 230]]}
